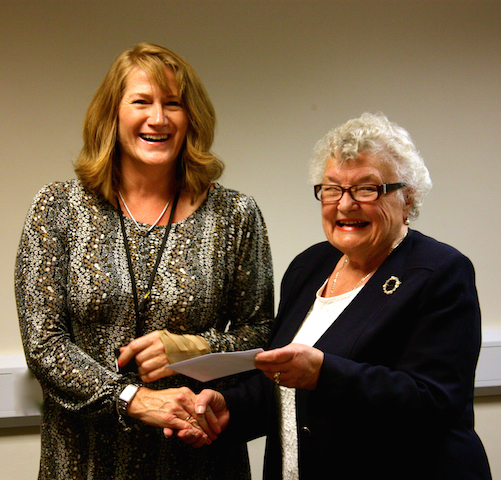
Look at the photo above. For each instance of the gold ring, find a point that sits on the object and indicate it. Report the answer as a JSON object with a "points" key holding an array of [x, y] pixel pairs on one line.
{"points": [[276, 377], [188, 418]]}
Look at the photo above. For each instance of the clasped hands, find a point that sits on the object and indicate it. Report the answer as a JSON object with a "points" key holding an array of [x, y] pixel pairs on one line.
{"points": [[199, 419]]}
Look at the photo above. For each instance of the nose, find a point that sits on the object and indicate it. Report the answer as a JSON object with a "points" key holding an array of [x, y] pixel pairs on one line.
{"points": [[158, 115], [346, 203]]}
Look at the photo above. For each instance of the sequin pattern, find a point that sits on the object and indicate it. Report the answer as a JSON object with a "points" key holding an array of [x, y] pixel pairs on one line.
{"points": [[75, 306]]}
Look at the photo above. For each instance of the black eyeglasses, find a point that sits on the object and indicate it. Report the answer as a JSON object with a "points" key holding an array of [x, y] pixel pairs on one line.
{"points": [[360, 193]]}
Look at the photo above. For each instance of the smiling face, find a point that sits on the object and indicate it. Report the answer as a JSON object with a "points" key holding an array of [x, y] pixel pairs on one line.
{"points": [[152, 123], [364, 231]]}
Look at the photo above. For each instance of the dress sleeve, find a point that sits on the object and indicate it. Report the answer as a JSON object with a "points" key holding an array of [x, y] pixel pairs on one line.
{"points": [[68, 375], [246, 320], [428, 379]]}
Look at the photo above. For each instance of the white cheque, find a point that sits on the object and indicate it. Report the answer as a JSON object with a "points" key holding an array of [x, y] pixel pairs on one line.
{"points": [[217, 365]]}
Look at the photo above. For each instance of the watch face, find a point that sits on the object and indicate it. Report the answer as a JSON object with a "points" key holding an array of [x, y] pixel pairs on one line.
{"points": [[128, 393]]}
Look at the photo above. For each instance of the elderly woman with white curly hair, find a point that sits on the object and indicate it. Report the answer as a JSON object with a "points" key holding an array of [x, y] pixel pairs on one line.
{"points": [[370, 366]]}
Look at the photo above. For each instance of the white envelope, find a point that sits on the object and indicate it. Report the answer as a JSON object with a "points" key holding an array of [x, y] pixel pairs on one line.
{"points": [[217, 365]]}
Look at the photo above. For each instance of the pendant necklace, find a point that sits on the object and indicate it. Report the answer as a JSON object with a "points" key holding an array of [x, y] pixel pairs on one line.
{"points": [[134, 220], [140, 304]]}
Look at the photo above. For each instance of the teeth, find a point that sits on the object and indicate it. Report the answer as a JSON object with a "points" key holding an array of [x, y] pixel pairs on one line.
{"points": [[154, 138], [352, 223]]}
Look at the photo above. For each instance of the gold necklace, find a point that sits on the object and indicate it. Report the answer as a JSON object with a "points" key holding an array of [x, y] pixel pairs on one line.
{"points": [[401, 240], [366, 276], [356, 286]]}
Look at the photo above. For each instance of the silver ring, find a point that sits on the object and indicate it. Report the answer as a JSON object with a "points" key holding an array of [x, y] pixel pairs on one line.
{"points": [[276, 377]]}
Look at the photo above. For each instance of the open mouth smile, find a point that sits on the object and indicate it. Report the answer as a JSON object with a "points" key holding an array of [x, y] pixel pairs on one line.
{"points": [[351, 223], [149, 137]]}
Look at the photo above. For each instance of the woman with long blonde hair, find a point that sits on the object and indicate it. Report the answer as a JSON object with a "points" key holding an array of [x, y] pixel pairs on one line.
{"points": [[142, 261]]}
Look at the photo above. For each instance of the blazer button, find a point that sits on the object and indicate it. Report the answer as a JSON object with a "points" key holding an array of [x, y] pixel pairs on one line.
{"points": [[305, 431]]}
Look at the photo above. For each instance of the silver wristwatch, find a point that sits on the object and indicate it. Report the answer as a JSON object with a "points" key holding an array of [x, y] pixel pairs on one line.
{"points": [[126, 397]]}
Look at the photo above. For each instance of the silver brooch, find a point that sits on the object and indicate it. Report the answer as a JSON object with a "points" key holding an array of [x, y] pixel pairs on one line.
{"points": [[391, 285]]}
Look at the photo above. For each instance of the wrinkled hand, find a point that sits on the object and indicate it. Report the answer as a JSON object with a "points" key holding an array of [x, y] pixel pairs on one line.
{"points": [[150, 356], [211, 412], [299, 365], [171, 409]]}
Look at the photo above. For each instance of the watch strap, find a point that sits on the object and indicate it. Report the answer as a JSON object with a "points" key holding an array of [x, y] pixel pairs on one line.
{"points": [[122, 402]]}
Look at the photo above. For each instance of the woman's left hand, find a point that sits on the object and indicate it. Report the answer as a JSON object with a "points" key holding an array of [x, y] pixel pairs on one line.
{"points": [[294, 366], [150, 356]]}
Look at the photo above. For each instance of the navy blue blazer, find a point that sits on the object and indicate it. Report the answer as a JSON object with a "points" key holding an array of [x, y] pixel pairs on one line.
{"points": [[395, 394]]}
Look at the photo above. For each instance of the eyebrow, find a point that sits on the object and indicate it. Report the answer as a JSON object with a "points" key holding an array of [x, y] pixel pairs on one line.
{"points": [[361, 180], [144, 94], [168, 93]]}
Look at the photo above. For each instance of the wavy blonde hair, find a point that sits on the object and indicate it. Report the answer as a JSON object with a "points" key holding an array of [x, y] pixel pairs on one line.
{"points": [[98, 165]]}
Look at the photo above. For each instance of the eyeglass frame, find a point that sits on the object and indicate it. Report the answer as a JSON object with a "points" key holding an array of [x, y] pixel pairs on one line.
{"points": [[382, 189]]}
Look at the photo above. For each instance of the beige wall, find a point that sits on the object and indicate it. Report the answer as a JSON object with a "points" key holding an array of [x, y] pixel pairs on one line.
{"points": [[280, 73]]}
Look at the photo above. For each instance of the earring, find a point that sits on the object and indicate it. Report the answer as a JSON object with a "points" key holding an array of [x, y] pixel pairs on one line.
{"points": [[407, 222]]}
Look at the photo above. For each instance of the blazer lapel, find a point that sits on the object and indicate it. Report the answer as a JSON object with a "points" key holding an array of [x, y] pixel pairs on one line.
{"points": [[366, 307], [309, 277]]}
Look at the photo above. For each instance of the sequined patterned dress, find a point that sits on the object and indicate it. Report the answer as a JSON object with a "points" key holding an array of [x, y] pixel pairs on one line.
{"points": [[75, 307]]}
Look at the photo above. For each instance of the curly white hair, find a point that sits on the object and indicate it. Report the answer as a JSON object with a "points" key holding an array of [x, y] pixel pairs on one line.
{"points": [[375, 134]]}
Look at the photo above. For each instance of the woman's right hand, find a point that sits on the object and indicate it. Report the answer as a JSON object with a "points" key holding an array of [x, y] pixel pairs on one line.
{"points": [[172, 410]]}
